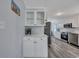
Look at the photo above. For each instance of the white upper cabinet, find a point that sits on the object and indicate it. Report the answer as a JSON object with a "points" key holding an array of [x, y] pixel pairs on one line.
{"points": [[35, 17], [40, 18], [30, 17], [75, 21]]}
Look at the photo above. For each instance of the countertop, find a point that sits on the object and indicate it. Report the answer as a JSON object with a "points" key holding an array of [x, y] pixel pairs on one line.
{"points": [[76, 31], [35, 36]]}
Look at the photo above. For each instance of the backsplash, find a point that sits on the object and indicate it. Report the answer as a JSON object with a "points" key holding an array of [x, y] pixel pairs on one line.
{"points": [[36, 30]]}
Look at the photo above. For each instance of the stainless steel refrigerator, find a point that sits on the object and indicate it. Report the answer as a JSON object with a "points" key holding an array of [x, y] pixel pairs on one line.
{"points": [[47, 31]]}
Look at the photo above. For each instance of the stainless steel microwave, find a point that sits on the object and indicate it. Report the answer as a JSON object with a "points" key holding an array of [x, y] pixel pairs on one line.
{"points": [[69, 25]]}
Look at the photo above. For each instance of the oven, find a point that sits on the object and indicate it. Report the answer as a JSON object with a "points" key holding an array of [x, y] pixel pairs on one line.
{"points": [[64, 35]]}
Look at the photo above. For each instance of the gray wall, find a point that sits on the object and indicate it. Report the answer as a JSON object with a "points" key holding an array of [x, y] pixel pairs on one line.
{"points": [[11, 29]]}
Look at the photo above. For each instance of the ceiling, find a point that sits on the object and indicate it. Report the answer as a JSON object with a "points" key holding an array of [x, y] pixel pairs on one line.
{"points": [[68, 7]]}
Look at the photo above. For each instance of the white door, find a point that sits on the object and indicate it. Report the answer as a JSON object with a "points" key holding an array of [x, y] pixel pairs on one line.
{"points": [[28, 48]]}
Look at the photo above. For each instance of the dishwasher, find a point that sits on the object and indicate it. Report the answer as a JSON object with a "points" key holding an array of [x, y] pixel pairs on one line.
{"points": [[73, 38]]}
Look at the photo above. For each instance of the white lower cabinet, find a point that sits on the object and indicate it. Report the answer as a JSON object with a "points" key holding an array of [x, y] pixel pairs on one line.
{"points": [[28, 48], [44, 45], [35, 47]]}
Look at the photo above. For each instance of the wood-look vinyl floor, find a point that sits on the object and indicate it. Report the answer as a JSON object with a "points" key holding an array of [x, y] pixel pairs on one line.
{"points": [[61, 49]]}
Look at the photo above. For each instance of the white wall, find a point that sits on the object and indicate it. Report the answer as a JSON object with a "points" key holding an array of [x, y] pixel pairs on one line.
{"points": [[11, 29]]}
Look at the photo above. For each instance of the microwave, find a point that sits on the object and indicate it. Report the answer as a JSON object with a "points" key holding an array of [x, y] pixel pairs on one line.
{"points": [[69, 25]]}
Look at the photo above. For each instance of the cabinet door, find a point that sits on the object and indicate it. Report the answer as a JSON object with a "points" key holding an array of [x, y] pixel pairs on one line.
{"points": [[30, 17], [40, 18], [37, 48], [75, 21], [44, 46], [78, 21], [28, 48], [41, 47]]}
